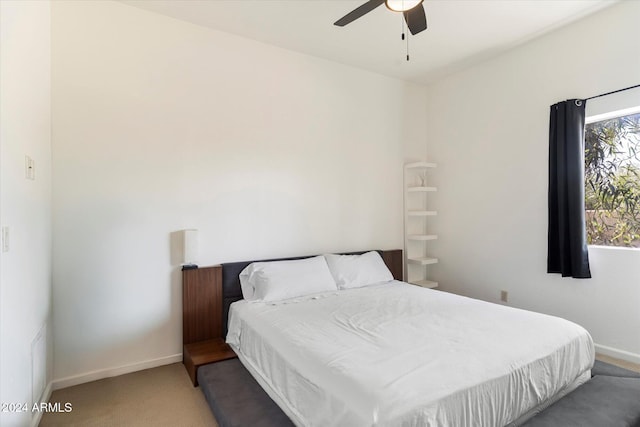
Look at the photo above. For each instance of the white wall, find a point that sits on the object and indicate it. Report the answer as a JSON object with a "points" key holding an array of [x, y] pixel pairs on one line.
{"points": [[488, 130], [25, 205], [161, 125]]}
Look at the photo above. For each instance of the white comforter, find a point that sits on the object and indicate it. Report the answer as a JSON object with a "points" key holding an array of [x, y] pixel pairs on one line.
{"points": [[395, 354]]}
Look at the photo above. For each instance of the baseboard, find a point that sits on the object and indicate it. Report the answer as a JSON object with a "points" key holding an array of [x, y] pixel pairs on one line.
{"points": [[114, 372], [46, 395], [618, 354]]}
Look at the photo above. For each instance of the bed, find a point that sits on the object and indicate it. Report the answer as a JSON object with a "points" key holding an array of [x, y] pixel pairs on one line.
{"points": [[394, 354]]}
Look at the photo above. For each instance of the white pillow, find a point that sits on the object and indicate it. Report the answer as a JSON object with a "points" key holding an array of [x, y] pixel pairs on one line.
{"points": [[355, 271], [278, 280]]}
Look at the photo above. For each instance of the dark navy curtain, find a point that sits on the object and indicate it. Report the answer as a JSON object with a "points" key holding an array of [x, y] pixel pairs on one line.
{"points": [[567, 250]]}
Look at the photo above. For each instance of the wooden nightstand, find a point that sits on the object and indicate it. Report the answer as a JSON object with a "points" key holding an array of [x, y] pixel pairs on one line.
{"points": [[202, 336], [200, 353]]}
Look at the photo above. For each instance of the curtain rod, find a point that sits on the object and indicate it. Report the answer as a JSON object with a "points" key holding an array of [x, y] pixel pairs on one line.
{"points": [[611, 93]]}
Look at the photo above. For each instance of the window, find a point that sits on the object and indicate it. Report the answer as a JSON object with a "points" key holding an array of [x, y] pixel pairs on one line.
{"points": [[612, 179]]}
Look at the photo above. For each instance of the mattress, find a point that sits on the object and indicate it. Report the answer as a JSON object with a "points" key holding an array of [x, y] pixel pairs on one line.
{"points": [[399, 355]]}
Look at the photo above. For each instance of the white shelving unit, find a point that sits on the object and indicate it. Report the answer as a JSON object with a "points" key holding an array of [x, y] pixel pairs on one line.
{"points": [[422, 213], [417, 233], [422, 261], [422, 237], [421, 189]]}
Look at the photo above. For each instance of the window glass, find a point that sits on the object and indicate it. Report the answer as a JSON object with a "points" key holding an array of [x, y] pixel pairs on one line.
{"points": [[612, 179]]}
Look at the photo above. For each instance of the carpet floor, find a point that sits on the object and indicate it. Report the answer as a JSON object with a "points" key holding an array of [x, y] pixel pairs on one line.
{"points": [[160, 397]]}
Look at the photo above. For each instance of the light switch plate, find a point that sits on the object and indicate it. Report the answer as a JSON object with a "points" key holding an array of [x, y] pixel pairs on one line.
{"points": [[5, 239], [29, 168]]}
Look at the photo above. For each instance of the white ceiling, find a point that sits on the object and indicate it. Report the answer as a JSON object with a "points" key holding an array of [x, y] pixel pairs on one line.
{"points": [[460, 33]]}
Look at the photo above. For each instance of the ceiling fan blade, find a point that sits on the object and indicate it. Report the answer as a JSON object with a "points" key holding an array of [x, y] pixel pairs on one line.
{"points": [[358, 12], [416, 19]]}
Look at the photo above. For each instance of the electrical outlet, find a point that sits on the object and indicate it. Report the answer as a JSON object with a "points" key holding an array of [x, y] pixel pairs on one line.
{"points": [[504, 296]]}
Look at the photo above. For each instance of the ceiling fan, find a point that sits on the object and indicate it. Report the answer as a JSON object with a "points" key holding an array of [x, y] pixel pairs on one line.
{"points": [[413, 11]]}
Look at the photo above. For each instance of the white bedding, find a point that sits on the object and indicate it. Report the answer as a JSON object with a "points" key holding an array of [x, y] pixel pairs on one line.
{"points": [[396, 354]]}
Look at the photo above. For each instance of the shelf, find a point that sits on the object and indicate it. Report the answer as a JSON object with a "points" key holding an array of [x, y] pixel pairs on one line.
{"points": [[421, 189], [417, 239], [423, 261], [200, 353], [422, 237], [418, 165], [425, 283], [422, 213]]}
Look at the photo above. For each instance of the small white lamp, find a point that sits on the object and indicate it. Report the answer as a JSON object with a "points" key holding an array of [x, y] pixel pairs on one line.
{"points": [[189, 249]]}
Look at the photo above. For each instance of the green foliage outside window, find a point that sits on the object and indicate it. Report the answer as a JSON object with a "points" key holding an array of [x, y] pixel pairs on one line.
{"points": [[612, 181]]}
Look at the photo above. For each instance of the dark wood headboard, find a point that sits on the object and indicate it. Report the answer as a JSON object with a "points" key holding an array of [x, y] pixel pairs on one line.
{"points": [[207, 293]]}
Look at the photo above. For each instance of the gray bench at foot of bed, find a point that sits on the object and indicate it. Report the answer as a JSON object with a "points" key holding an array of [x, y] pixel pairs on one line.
{"points": [[602, 401], [236, 399], [610, 399], [602, 368]]}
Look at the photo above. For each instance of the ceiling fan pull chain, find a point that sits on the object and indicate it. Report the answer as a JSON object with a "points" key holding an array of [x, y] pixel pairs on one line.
{"points": [[407, 40], [407, 49]]}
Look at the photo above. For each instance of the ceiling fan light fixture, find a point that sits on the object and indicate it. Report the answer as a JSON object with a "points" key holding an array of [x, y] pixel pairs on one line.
{"points": [[401, 5]]}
